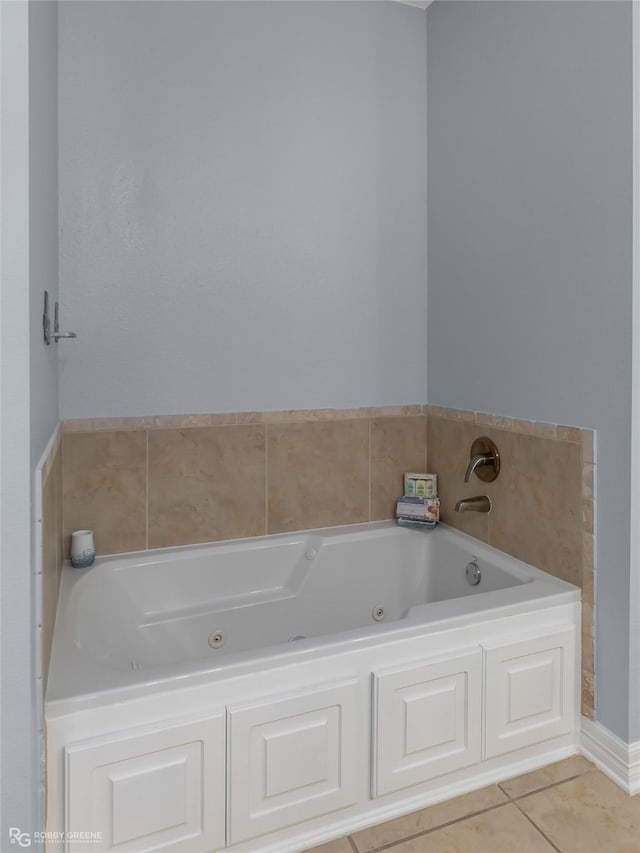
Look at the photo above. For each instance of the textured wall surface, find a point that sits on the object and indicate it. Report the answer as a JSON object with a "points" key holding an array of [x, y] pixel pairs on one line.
{"points": [[28, 382], [529, 161], [243, 206], [43, 215], [18, 779]]}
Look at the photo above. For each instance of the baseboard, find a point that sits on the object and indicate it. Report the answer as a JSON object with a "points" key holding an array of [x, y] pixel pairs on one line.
{"points": [[620, 761]]}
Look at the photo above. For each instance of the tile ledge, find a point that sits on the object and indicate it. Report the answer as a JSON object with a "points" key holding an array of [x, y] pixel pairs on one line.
{"points": [[154, 422]]}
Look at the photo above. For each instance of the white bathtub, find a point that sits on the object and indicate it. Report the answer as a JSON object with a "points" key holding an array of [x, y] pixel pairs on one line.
{"points": [[141, 619], [294, 626]]}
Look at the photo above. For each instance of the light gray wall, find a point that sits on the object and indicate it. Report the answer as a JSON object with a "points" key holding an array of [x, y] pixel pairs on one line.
{"points": [[28, 378], [16, 667], [43, 275], [242, 206], [529, 308], [43, 215]]}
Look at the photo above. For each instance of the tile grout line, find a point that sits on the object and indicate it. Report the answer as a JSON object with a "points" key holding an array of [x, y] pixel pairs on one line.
{"points": [[370, 419], [61, 532], [544, 787], [431, 829], [516, 801], [266, 479], [353, 844], [510, 800], [426, 441], [535, 826], [146, 522]]}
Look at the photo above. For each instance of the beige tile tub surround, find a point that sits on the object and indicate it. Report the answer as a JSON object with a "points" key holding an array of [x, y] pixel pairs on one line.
{"points": [[318, 474], [202, 478], [537, 498], [232, 418], [537, 502], [398, 446], [52, 551], [206, 484], [543, 500], [448, 444], [104, 489]]}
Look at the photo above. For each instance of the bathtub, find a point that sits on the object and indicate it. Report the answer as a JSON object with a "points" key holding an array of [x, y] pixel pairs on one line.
{"points": [[309, 644]]}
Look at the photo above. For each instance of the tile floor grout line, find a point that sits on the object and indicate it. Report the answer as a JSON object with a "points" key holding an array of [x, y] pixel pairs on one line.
{"points": [[545, 787], [431, 829], [510, 801], [535, 825]]}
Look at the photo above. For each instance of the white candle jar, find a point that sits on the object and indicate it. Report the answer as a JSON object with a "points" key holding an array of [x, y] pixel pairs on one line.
{"points": [[83, 549]]}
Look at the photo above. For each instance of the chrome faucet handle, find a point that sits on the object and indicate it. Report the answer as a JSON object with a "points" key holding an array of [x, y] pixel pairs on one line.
{"points": [[484, 460], [476, 460]]}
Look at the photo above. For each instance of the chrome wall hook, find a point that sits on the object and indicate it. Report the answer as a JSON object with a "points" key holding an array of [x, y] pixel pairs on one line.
{"points": [[56, 334]]}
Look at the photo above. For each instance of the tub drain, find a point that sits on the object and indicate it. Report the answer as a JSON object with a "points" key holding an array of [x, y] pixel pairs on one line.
{"points": [[378, 614], [216, 639]]}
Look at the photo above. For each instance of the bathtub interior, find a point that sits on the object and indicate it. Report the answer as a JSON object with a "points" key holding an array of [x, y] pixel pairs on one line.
{"points": [[175, 605]]}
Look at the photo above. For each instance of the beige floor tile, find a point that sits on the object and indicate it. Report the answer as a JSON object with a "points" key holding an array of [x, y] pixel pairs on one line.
{"points": [[341, 845], [411, 824], [502, 830], [589, 814], [549, 775]]}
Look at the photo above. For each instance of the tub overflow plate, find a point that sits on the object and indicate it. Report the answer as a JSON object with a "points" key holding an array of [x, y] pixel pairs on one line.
{"points": [[474, 575]]}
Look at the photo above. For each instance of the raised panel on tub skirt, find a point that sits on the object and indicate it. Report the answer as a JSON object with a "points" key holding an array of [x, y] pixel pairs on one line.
{"points": [[148, 789], [427, 721], [291, 759], [530, 691]]}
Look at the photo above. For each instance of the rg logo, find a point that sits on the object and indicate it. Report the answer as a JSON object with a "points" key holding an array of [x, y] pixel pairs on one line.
{"points": [[18, 837]]}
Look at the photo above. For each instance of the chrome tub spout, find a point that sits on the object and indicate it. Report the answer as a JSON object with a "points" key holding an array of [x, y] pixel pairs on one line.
{"points": [[480, 503]]}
